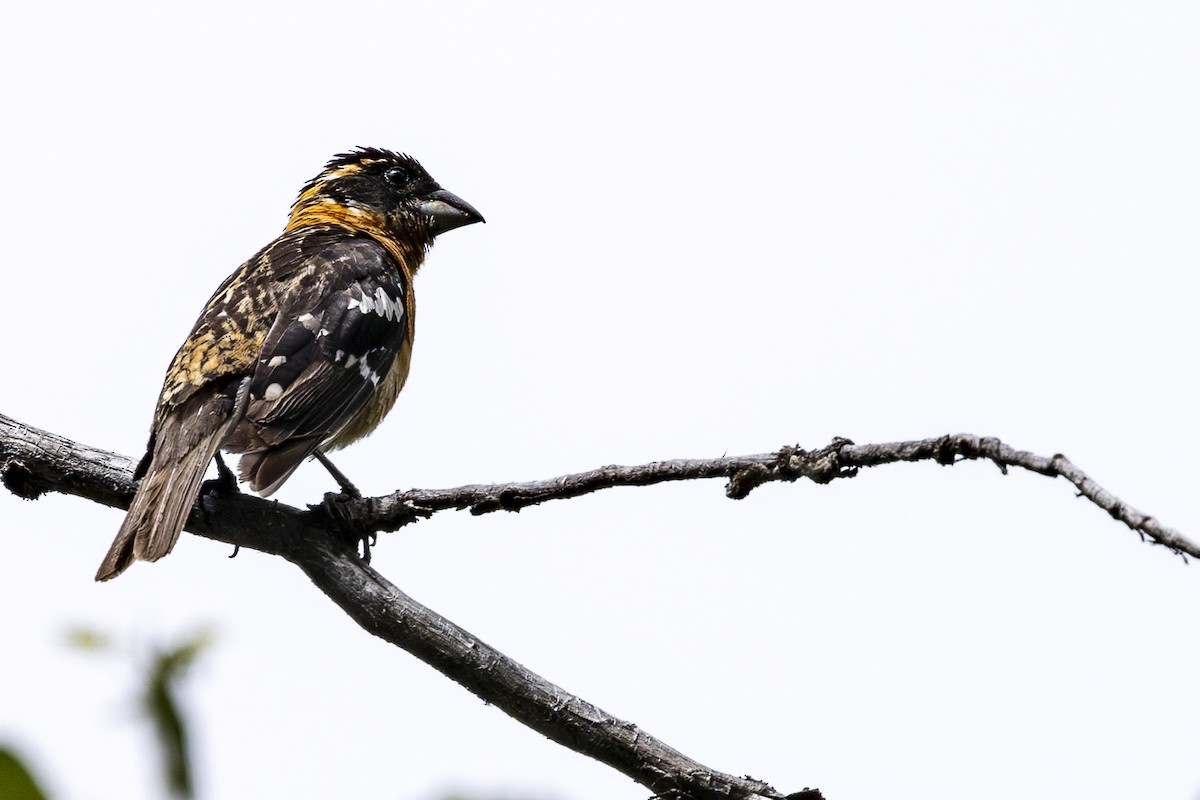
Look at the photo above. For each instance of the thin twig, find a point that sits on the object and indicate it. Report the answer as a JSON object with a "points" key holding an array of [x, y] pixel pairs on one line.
{"points": [[840, 459]]}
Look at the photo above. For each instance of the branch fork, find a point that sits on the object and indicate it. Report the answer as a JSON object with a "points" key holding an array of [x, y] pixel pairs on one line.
{"points": [[33, 462]]}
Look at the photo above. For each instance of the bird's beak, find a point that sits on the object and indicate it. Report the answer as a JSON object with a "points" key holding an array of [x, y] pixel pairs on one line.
{"points": [[447, 211]]}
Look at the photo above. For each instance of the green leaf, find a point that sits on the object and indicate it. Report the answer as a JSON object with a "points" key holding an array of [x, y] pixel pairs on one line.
{"points": [[16, 783], [161, 704]]}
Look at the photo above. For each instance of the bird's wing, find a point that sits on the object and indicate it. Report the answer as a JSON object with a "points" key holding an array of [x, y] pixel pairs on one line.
{"points": [[330, 346], [228, 334]]}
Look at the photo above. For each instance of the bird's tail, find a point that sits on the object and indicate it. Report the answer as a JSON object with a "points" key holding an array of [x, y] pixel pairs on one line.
{"points": [[266, 470], [184, 441]]}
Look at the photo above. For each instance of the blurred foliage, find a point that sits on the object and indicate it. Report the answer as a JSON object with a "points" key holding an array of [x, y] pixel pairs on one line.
{"points": [[163, 671], [16, 782], [159, 703], [86, 639]]}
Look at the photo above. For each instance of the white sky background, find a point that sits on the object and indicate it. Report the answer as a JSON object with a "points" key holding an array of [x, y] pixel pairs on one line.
{"points": [[709, 231]]}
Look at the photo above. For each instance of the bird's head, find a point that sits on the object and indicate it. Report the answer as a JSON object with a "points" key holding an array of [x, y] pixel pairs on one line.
{"points": [[384, 193]]}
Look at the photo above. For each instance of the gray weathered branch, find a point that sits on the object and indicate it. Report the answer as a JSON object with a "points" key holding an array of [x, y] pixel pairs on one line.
{"points": [[321, 541], [841, 459], [33, 462]]}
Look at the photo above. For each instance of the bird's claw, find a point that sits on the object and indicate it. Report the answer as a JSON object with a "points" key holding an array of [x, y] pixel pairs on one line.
{"points": [[225, 482], [336, 506]]}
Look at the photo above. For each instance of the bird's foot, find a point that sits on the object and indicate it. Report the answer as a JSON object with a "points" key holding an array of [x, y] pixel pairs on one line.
{"points": [[353, 530], [225, 483]]}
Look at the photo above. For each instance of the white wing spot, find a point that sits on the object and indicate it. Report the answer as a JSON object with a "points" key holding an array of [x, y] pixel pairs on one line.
{"points": [[379, 303], [368, 374], [351, 360], [276, 361], [273, 391], [383, 304], [392, 308]]}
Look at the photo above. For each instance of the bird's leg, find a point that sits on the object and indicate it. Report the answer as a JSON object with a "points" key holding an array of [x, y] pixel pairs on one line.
{"points": [[225, 483], [349, 488], [367, 537], [226, 480]]}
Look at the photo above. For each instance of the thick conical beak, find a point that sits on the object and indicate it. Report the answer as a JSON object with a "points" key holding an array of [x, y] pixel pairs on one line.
{"points": [[447, 211]]}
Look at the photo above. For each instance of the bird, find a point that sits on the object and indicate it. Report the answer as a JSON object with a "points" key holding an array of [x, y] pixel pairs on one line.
{"points": [[302, 350]]}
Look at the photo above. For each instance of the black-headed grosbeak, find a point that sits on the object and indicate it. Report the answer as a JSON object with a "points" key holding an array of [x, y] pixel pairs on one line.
{"points": [[303, 349]]}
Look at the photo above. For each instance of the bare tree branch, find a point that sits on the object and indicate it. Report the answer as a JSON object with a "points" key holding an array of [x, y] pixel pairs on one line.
{"points": [[322, 542], [110, 482], [841, 459], [33, 462]]}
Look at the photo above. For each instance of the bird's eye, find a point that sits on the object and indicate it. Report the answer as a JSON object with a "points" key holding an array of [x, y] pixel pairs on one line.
{"points": [[396, 175]]}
